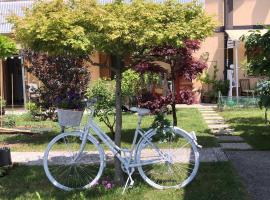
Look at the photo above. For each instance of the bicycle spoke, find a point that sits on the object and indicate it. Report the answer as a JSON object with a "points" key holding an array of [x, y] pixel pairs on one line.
{"points": [[68, 172], [176, 163]]}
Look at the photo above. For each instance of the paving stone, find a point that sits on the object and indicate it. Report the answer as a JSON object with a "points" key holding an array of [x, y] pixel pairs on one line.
{"points": [[223, 132], [210, 114], [215, 154], [236, 146], [207, 111], [218, 126], [221, 156], [206, 108], [232, 138], [213, 118], [215, 121]]}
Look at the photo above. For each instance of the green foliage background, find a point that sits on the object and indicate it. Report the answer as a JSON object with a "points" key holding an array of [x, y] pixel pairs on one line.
{"points": [[7, 46]]}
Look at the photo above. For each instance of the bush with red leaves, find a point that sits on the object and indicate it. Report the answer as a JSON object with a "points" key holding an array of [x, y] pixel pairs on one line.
{"points": [[145, 66], [185, 97], [159, 104]]}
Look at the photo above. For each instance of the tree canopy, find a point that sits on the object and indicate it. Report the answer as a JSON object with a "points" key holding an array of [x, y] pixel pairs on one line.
{"points": [[82, 26], [50, 26]]}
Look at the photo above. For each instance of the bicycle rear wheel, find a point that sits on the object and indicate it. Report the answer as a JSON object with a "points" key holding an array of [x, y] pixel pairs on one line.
{"points": [[68, 169], [168, 162]]}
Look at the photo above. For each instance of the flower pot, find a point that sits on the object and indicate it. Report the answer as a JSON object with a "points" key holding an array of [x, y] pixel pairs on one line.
{"points": [[5, 157], [69, 117]]}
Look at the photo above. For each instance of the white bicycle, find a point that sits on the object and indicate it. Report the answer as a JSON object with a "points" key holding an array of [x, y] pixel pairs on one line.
{"points": [[76, 160]]}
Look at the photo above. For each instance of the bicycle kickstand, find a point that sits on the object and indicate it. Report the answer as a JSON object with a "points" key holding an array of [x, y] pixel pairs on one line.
{"points": [[129, 181]]}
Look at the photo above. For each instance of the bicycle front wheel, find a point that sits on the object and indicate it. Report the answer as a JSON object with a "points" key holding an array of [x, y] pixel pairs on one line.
{"points": [[69, 168], [168, 160]]}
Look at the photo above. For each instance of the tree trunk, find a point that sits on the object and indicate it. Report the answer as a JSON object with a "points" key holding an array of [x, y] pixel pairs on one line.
{"points": [[112, 132], [173, 95], [118, 176]]}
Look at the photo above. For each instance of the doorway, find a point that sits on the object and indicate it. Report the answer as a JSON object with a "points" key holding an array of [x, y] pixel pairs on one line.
{"points": [[13, 81]]}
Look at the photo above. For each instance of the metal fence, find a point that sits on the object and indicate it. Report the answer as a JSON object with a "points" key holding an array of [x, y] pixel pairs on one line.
{"points": [[225, 102]]}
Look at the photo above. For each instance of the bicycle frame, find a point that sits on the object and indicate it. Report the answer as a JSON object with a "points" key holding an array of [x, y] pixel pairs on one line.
{"points": [[126, 160], [130, 158]]}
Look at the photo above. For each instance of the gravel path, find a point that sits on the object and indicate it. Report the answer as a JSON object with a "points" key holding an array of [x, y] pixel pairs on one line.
{"points": [[36, 158], [254, 168]]}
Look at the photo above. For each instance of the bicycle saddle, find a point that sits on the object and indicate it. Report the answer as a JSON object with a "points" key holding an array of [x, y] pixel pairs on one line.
{"points": [[140, 111]]}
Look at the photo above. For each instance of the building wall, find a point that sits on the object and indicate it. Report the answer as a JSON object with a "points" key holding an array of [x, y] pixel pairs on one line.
{"points": [[245, 13], [251, 12], [215, 8], [214, 47], [94, 70]]}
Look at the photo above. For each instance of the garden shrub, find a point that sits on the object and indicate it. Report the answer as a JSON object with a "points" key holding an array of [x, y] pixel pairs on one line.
{"points": [[104, 91], [71, 100], [222, 86], [263, 90], [162, 124], [34, 111], [9, 121], [60, 76], [158, 104], [130, 85]]}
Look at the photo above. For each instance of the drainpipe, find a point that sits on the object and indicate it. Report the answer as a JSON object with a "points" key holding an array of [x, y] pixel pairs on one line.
{"points": [[228, 25]]}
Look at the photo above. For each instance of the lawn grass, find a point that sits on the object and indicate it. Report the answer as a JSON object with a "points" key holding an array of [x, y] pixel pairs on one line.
{"points": [[188, 118], [249, 123], [214, 181]]}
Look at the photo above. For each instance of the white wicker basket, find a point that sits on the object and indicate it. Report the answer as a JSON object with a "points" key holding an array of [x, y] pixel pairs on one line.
{"points": [[69, 117]]}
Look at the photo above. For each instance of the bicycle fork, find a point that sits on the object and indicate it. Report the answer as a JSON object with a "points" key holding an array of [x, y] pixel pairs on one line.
{"points": [[193, 136]]}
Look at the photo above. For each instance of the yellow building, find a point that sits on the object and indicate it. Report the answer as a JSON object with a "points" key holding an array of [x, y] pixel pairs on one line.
{"points": [[235, 18]]}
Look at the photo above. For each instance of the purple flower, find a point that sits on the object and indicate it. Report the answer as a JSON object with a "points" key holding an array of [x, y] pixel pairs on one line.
{"points": [[109, 186]]}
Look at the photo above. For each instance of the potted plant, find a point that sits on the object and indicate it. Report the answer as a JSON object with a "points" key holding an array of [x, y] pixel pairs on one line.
{"points": [[208, 82], [70, 108]]}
